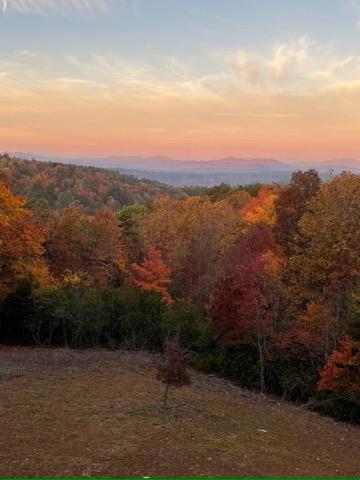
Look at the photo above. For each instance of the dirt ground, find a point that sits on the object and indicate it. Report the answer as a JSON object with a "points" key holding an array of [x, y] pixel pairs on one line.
{"points": [[98, 413]]}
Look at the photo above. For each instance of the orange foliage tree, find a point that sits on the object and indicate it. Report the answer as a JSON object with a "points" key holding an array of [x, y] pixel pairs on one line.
{"points": [[152, 275], [341, 373], [260, 209], [21, 243], [11, 206]]}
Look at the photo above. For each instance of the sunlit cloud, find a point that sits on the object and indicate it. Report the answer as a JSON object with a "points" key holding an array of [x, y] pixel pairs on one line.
{"points": [[298, 66]]}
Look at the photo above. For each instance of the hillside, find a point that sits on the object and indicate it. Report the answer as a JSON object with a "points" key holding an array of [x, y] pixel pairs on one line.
{"points": [[94, 188], [96, 413]]}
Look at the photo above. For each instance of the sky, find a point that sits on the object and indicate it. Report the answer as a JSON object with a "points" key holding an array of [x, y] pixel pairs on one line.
{"points": [[198, 79]]}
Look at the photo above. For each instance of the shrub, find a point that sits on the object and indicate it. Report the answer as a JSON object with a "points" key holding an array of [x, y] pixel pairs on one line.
{"points": [[189, 323], [137, 318], [172, 369]]}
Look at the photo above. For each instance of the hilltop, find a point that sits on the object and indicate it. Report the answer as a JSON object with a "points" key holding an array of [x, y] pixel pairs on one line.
{"points": [[61, 185]]}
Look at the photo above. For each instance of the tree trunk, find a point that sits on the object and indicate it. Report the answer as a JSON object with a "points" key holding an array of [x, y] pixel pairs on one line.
{"points": [[64, 334], [260, 350], [261, 362], [165, 395]]}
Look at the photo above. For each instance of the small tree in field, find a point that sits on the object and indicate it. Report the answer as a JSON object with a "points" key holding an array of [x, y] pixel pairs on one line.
{"points": [[172, 368]]}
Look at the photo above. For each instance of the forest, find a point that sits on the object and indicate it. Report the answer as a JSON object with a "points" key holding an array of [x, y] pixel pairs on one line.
{"points": [[260, 285], [60, 185]]}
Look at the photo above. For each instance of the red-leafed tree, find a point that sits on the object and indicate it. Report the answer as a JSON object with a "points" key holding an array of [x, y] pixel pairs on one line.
{"points": [[244, 306], [341, 373], [152, 275], [172, 368]]}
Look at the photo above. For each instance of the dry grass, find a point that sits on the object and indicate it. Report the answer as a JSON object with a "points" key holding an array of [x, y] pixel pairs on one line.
{"points": [[98, 413]]}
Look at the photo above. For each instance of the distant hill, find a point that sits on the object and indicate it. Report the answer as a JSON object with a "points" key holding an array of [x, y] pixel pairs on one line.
{"points": [[161, 163], [61, 185], [205, 173], [342, 163]]}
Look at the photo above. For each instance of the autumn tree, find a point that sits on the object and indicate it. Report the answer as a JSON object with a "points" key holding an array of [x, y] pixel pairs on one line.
{"points": [[244, 306], [11, 206], [109, 256], [260, 209], [172, 368], [341, 373], [326, 261], [353, 311], [193, 235], [218, 192], [330, 229], [152, 275], [128, 217], [21, 244], [90, 246], [291, 204], [317, 329]]}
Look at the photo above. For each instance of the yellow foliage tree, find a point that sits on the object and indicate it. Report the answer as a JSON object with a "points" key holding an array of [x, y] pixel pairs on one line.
{"points": [[260, 209]]}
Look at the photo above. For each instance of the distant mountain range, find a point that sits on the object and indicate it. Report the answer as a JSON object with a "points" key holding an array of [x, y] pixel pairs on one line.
{"points": [[232, 170]]}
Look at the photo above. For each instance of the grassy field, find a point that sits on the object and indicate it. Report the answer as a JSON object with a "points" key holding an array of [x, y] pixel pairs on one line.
{"points": [[99, 413]]}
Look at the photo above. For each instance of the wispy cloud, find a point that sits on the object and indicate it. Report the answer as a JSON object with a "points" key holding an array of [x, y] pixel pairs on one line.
{"points": [[57, 7], [354, 4], [26, 53], [298, 67], [71, 82], [254, 115]]}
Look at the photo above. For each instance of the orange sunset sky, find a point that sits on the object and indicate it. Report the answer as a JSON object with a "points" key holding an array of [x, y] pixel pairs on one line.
{"points": [[190, 79]]}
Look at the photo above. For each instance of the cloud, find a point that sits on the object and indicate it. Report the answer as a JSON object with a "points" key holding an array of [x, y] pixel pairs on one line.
{"points": [[72, 80], [344, 86], [3, 76], [254, 115], [333, 68], [27, 53], [302, 65], [69, 82], [57, 7], [354, 4]]}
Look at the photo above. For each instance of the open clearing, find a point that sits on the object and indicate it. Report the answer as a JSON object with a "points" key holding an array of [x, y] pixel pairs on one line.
{"points": [[96, 413]]}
